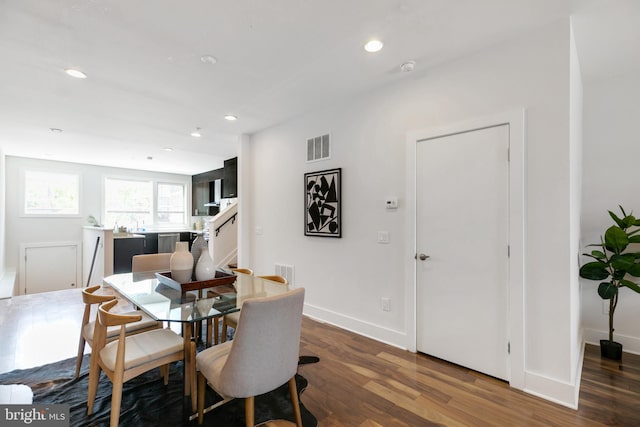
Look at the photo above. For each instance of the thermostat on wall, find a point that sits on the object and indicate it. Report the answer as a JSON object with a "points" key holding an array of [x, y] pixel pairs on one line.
{"points": [[391, 203]]}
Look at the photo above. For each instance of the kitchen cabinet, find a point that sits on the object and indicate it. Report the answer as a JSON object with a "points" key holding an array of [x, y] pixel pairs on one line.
{"points": [[230, 179], [202, 192], [151, 243], [123, 251], [185, 236]]}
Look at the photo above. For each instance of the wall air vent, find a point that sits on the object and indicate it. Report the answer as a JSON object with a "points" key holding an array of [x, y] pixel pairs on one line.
{"points": [[286, 271], [318, 148]]}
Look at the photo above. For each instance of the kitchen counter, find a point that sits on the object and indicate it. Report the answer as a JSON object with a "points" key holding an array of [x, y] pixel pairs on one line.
{"points": [[127, 236]]}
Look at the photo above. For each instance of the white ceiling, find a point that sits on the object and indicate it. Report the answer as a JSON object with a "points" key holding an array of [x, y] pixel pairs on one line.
{"points": [[147, 88]]}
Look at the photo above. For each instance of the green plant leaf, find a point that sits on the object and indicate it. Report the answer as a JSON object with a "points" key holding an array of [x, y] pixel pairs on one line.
{"points": [[622, 210], [637, 223], [615, 239], [607, 290], [598, 254], [617, 220], [634, 239], [634, 270], [622, 262], [595, 270], [631, 285], [629, 221]]}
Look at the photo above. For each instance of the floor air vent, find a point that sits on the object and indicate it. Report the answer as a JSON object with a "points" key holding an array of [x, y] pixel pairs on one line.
{"points": [[318, 148], [286, 271]]}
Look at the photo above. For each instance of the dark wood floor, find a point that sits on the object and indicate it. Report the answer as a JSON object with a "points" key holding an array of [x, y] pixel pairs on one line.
{"points": [[361, 382]]}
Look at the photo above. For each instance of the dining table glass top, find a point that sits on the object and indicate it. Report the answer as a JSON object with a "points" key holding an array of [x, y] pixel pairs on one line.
{"points": [[166, 303]]}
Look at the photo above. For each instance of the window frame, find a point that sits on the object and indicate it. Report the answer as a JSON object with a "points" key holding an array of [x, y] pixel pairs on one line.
{"points": [[23, 196], [154, 201]]}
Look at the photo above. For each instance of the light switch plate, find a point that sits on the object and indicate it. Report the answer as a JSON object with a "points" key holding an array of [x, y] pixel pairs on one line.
{"points": [[383, 237]]}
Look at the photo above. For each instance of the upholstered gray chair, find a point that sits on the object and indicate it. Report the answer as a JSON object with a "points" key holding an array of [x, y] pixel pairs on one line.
{"points": [[262, 356], [150, 262], [232, 319]]}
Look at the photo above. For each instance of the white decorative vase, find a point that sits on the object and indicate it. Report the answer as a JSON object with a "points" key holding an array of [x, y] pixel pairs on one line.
{"points": [[181, 263], [205, 270], [196, 249]]}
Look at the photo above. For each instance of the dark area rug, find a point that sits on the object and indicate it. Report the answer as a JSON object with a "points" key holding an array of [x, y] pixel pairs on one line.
{"points": [[146, 401]]}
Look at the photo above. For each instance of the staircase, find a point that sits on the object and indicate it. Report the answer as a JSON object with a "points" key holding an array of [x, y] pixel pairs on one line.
{"points": [[223, 236]]}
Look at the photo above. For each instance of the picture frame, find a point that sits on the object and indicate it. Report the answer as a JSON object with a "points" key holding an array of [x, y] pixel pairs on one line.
{"points": [[323, 203]]}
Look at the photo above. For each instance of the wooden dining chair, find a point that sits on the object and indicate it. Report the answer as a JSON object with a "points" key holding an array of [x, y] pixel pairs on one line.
{"points": [[216, 321], [262, 356], [90, 298], [232, 319], [128, 356]]}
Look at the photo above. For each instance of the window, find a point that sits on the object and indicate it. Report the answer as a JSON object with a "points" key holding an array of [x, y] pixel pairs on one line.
{"points": [[128, 203], [134, 203], [171, 203], [51, 193]]}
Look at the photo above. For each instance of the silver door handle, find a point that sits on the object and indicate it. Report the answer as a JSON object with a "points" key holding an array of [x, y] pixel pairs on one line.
{"points": [[421, 256]]}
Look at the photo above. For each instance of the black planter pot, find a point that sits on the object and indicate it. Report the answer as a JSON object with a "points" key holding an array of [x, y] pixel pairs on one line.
{"points": [[611, 350]]}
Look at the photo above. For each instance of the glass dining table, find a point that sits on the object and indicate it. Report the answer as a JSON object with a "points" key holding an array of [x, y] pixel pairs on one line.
{"points": [[192, 304]]}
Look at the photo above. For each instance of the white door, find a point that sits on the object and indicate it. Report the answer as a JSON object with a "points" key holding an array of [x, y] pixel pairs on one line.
{"points": [[462, 187], [50, 268]]}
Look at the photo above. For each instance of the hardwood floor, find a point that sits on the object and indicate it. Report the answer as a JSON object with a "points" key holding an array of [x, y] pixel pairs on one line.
{"points": [[361, 382]]}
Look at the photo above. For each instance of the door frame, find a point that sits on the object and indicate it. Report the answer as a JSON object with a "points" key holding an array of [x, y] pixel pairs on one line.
{"points": [[516, 119]]}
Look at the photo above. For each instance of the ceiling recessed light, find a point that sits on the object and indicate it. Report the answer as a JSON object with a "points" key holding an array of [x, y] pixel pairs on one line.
{"points": [[168, 149], [408, 66], [208, 59], [75, 73], [230, 117], [196, 133], [373, 46], [55, 130]]}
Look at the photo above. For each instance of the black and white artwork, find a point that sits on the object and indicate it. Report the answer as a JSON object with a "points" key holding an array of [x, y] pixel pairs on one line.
{"points": [[322, 203]]}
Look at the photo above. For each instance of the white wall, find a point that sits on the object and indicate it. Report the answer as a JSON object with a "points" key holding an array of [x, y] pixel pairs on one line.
{"points": [[3, 168], [575, 158], [611, 170], [346, 278], [21, 230]]}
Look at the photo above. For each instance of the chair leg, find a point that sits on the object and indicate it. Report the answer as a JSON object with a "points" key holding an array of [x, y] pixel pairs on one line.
{"points": [[293, 390], [116, 399], [216, 324], [202, 384], [81, 344], [223, 334], [249, 414], [94, 376], [164, 373], [192, 374], [208, 340]]}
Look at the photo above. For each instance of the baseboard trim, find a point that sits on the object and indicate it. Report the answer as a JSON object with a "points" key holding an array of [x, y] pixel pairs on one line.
{"points": [[629, 344], [560, 392], [366, 329]]}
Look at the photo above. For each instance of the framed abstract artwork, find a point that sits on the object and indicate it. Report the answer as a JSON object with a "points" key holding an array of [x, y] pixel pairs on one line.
{"points": [[322, 203]]}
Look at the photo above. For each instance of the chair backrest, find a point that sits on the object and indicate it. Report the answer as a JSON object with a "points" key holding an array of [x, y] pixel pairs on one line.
{"points": [[247, 271], [278, 279], [89, 298], [150, 262], [106, 319], [266, 346]]}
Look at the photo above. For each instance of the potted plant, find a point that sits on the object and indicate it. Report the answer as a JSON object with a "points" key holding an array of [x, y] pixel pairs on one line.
{"points": [[611, 265]]}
